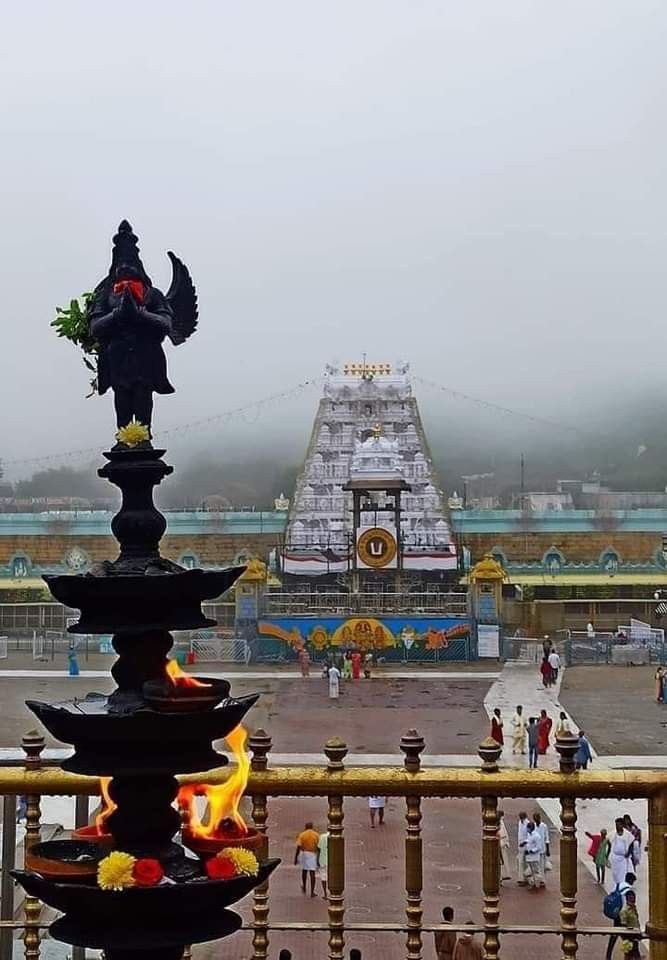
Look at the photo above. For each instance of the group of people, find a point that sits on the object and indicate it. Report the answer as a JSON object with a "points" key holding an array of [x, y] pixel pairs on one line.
{"points": [[535, 735], [621, 853], [550, 665], [533, 851], [312, 848], [450, 945], [349, 667], [312, 855]]}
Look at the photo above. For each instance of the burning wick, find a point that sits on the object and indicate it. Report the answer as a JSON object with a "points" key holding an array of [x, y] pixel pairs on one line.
{"points": [[181, 679], [108, 806], [223, 799]]}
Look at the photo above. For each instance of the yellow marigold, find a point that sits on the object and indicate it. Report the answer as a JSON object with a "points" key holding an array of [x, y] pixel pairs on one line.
{"points": [[244, 860], [133, 434], [115, 871]]}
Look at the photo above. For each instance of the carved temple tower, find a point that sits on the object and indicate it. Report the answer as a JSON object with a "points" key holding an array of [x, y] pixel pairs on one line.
{"points": [[367, 503]]}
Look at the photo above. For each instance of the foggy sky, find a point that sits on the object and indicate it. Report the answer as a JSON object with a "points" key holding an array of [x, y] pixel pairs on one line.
{"points": [[477, 187]]}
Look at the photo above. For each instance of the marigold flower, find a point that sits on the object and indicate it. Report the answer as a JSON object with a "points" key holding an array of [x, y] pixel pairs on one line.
{"points": [[115, 872], [133, 434], [245, 861]]}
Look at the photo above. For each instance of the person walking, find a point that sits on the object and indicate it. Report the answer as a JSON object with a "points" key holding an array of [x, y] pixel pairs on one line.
{"points": [[621, 849], [636, 848], [72, 662], [304, 662], [630, 920], [497, 727], [504, 844], [554, 663], [545, 670], [599, 850], [543, 830], [533, 735], [534, 854], [334, 682], [305, 855], [583, 756], [355, 660], [519, 731], [622, 889], [563, 728], [323, 860], [521, 838], [376, 806], [445, 940], [347, 666], [659, 685], [544, 725], [467, 947]]}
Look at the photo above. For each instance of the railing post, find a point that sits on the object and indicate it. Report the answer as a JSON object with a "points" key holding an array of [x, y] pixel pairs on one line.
{"points": [[412, 744], [489, 750], [336, 751], [567, 747], [260, 745], [8, 864], [657, 875], [33, 744]]}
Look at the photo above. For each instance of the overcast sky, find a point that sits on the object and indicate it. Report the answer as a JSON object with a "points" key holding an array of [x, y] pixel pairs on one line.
{"points": [[476, 187]]}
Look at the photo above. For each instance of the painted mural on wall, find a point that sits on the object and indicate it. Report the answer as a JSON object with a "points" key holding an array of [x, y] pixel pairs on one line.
{"points": [[365, 633]]}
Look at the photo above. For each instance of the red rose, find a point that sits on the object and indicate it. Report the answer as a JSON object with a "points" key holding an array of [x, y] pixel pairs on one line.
{"points": [[220, 868], [147, 872]]}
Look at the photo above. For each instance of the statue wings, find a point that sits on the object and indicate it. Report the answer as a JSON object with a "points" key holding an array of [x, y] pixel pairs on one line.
{"points": [[182, 298]]}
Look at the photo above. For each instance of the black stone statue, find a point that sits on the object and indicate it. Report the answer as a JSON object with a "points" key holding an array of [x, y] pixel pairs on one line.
{"points": [[129, 319]]}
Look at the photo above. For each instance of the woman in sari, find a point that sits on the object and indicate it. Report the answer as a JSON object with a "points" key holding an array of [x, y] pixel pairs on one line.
{"points": [[543, 731], [497, 727], [659, 685]]}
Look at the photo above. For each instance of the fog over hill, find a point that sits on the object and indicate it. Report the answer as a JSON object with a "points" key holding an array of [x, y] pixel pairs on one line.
{"points": [[249, 463]]}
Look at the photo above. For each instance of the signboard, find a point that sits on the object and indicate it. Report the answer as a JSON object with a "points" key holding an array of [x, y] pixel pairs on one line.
{"points": [[486, 606], [488, 640]]}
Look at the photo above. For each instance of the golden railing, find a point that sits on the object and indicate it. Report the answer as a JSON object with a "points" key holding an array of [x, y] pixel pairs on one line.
{"points": [[412, 782]]}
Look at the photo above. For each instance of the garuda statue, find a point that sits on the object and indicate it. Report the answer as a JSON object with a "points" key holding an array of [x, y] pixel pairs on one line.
{"points": [[129, 319]]}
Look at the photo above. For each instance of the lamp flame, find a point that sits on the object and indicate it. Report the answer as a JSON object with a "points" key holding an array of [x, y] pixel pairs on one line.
{"points": [[181, 679], [108, 806], [223, 799]]}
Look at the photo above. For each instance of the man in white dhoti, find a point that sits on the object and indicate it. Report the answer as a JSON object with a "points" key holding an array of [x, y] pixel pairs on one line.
{"points": [[334, 683], [543, 830], [534, 853], [621, 848], [519, 731]]}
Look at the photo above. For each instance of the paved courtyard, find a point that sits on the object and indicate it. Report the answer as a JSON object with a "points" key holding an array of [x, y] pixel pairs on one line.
{"points": [[449, 709]]}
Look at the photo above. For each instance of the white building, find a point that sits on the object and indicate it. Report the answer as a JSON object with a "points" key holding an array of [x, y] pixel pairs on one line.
{"points": [[367, 425]]}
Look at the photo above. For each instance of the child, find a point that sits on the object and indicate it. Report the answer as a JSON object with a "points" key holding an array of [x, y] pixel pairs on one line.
{"points": [[630, 920]]}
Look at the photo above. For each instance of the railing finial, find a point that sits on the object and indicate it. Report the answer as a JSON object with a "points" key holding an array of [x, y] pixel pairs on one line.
{"points": [[259, 744], [489, 751], [566, 747], [412, 744], [33, 743], [336, 751]]}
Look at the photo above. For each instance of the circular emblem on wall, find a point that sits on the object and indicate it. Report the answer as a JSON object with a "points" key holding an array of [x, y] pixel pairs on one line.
{"points": [[76, 559], [376, 547]]}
